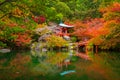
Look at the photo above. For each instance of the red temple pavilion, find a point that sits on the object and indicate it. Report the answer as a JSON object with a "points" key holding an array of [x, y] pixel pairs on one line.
{"points": [[64, 30]]}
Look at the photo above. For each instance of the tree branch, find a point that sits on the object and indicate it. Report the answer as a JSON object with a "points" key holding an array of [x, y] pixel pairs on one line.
{"points": [[4, 2], [4, 15]]}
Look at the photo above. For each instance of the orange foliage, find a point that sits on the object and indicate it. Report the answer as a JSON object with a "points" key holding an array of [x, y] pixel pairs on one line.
{"points": [[103, 10], [115, 7], [103, 31], [20, 60], [79, 24], [22, 39], [23, 26], [110, 23], [67, 22], [12, 24], [111, 27], [17, 12], [94, 27], [80, 29], [90, 29]]}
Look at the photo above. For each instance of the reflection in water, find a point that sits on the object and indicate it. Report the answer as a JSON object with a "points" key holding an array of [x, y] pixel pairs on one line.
{"points": [[48, 65], [89, 55], [102, 66], [14, 65], [49, 62]]}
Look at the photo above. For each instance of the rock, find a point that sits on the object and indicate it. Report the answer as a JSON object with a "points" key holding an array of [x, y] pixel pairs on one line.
{"points": [[44, 49], [4, 50], [66, 37]]}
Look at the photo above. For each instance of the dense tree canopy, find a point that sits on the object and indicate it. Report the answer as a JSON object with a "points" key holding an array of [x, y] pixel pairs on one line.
{"points": [[97, 20], [104, 31]]}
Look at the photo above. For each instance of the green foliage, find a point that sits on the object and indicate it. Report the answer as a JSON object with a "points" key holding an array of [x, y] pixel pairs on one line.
{"points": [[51, 13], [105, 3], [62, 8], [83, 9], [59, 17], [16, 18], [79, 9], [112, 40], [74, 58], [7, 33], [56, 41], [42, 31], [74, 39], [111, 15], [2, 44]]}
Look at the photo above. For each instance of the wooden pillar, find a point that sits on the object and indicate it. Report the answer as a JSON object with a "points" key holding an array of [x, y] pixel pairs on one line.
{"points": [[92, 50], [77, 47], [86, 50], [65, 30], [96, 48], [59, 48], [51, 49]]}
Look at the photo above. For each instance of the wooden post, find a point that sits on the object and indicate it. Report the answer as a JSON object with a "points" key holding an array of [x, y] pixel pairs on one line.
{"points": [[77, 47], [86, 50], [96, 49], [51, 49], [92, 48], [65, 30], [59, 48]]}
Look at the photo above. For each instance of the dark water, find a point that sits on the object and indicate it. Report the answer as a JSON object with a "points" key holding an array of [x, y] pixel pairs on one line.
{"points": [[30, 65]]}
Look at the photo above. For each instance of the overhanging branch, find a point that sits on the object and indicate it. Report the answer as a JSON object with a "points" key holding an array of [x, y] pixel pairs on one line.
{"points": [[4, 15]]}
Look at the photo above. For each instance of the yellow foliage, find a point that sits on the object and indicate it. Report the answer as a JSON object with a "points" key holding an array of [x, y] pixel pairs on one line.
{"points": [[41, 25], [110, 24], [17, 12], [8, 22], [96, 41], [56, 41], [111, 16]]}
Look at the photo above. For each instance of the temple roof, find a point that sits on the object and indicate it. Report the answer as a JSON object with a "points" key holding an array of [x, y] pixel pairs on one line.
{"points": [[64, 25]]}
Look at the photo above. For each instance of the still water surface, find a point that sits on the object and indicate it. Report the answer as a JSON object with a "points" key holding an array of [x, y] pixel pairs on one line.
{"points": [[31, 65]]}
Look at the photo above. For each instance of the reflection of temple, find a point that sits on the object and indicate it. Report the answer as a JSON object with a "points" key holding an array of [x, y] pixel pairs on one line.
{"points": [[64, 30]]}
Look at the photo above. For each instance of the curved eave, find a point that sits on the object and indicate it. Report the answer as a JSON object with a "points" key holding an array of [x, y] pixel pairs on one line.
{"points": [[64, 25]]}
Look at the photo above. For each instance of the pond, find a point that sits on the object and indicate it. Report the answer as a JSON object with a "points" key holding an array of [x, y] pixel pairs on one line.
{"points": [[57, 65]]}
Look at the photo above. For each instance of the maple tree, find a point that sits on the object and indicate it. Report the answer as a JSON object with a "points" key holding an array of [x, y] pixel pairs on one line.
{"points": [[80, 29], [102, 31], [112, 17], [89, 29], [110, 32], [15, 34], [22, 40], [39, 19]]}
